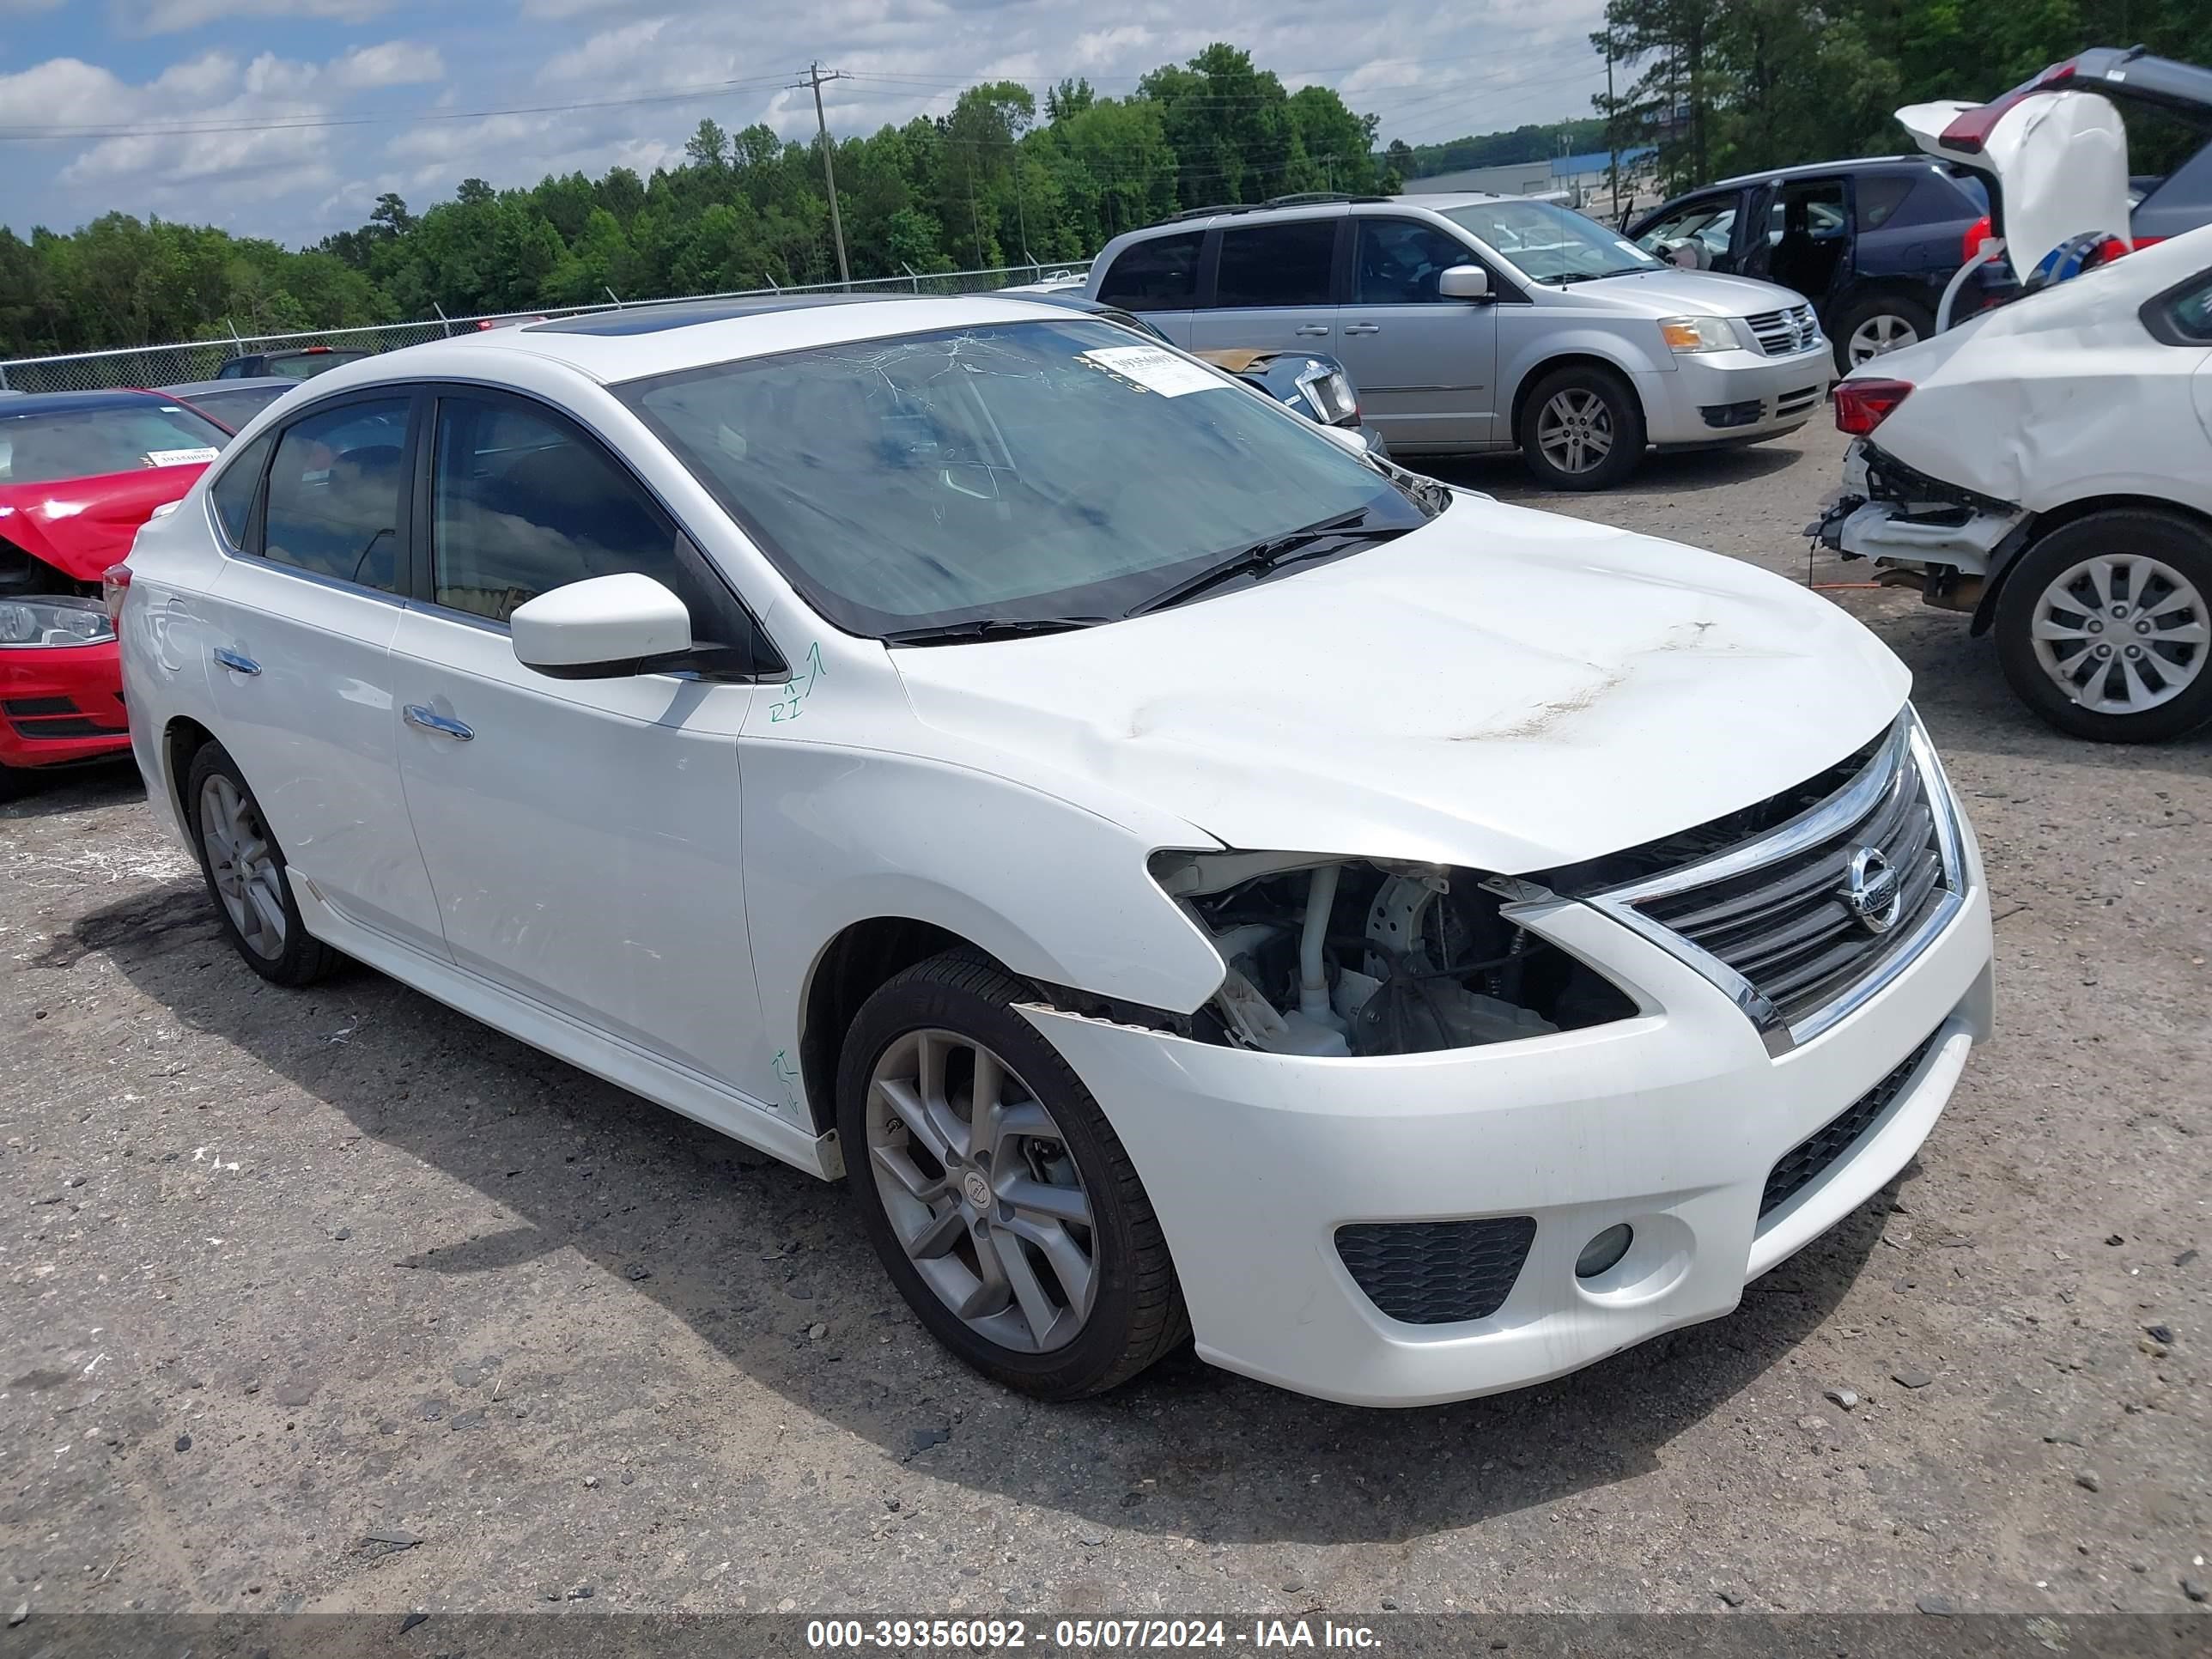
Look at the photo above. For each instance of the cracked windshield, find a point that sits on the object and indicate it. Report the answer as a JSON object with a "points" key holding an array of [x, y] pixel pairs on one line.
{"points": [[1046, 473]]}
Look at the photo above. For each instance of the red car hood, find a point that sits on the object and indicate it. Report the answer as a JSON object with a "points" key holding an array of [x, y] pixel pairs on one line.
{"points": [[83, 525]]}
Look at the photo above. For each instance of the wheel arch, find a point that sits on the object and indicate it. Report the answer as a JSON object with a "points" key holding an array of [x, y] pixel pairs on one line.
{"points": [[1579, 357], [847, 971], [2006, 555], [181, 738]]}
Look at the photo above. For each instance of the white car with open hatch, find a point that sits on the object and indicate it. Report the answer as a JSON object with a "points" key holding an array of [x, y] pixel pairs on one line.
{"points": [[1186, 876]]}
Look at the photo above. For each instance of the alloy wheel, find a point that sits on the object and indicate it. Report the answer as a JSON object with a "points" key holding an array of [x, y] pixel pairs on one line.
{"points": [[242, 863], [2122, 634], [1575, 431], [1883, 332], [981, 1191]]}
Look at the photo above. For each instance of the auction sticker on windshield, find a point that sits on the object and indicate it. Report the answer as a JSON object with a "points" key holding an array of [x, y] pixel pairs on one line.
{"points": [[1154, 369], [180, 456]]}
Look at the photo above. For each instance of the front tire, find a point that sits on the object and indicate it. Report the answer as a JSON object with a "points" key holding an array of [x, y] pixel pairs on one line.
{"points": [[996, 1195], [2105, 627], [246, 876], [1581, 429]]}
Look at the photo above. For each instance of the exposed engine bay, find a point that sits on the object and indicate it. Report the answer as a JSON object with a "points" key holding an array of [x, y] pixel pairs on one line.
{"points": [[1362, 958]]}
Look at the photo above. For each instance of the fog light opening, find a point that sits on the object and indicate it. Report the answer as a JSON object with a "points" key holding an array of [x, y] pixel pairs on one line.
{"points": [[1604, 1252]]}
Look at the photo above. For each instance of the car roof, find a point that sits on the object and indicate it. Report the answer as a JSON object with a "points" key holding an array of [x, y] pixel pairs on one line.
{"points": [[55, 402], [643, 341], [189, 389], [1809, 169]]}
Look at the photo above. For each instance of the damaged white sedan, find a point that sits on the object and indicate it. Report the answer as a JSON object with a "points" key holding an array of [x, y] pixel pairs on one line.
{"points": [[1187, 878]]}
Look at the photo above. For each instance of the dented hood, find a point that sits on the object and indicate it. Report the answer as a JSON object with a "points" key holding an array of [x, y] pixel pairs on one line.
{"points": [[83, 525], [1503, 689], [2060, 160]]}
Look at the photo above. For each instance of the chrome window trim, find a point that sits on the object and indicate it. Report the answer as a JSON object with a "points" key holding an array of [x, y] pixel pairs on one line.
{"points": [[1907, 737]]}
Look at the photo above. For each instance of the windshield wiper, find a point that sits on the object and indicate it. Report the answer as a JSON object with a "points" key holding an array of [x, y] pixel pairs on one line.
{"points": [[1563, 278], [1273, 554], [987, 628]]}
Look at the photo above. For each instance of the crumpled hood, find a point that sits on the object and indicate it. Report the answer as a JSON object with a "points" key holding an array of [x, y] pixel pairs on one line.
{"points": [[83, 525], [1503, 689], [1667, 291]]}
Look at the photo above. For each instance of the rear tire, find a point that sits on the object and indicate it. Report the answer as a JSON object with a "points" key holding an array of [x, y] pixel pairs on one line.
{"points": [[1059, 1308], [1581, 429], [2088, 593], [247, 880]]}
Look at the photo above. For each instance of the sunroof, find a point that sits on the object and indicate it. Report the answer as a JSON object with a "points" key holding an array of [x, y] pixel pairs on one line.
{"points": [[654, 320]]}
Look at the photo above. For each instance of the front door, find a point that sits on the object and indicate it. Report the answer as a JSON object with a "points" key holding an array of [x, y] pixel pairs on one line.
{"points": [[300, 622], [1274, 288], [1426, 366], [583, 836]]}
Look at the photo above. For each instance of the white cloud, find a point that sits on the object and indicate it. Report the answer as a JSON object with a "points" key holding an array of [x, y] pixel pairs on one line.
{"points": [[172, 16], [393, 64]]}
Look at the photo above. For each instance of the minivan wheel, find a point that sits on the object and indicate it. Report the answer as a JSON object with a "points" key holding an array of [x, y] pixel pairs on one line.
{"points": [[996, 1195], [2104, 626], [1874, 327], [1581, 429], [246, 874]]}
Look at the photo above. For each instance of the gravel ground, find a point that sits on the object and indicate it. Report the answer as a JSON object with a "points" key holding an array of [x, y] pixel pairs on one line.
{"points": [[337, 1300]]}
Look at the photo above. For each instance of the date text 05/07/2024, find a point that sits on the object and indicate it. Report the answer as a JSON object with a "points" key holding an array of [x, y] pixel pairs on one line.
{"points": [[1082, 1635]]}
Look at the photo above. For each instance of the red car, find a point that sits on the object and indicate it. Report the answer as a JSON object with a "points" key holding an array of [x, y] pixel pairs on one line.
{"points": [[79, 472]]}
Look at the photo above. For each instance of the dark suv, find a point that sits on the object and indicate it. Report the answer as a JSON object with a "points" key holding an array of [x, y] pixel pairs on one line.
{"points": [[300, 363], [1871, 243]]}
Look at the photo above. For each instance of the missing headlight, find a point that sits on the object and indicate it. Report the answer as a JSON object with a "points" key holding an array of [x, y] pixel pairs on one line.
{"points": [[1354, 956]]}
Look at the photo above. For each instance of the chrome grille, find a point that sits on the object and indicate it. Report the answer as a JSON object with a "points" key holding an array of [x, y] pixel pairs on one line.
{"points": [[1796, 919], [1780, 333]]}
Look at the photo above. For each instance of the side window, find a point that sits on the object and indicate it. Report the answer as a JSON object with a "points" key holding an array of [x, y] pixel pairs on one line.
{"points": [[1881, 195], [2182, 316], [233, 492], [335, 493], [523, 502], [1285, 265], [1398, 261], [1158, 273]]}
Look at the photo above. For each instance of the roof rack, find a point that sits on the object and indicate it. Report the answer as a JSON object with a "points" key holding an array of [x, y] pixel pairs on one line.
{"points": [[1303, 198]]}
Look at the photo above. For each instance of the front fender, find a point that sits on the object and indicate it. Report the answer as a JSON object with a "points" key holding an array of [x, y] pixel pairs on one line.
{"points": [[836, 836], [1524, 359]]}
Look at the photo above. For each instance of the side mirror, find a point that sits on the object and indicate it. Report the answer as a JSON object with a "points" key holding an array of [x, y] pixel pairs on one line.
{"points": [[607, 628], [1464, 282], [1350, 437]]}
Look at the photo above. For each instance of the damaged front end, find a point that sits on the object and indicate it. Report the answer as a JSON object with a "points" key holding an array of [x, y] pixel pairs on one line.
{"points": [[1940, 538], [1338, 956]]}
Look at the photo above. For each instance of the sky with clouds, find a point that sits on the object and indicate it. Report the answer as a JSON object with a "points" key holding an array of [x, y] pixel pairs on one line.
{"points": [[287, 117]]}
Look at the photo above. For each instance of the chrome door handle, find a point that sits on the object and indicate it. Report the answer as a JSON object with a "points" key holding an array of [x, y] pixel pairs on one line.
{"points": [[1311, 328], [1363, 328], [235, 663], [423, 719]]}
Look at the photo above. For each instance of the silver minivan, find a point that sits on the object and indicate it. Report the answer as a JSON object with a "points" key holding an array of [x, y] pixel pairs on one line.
{"points": [[1473, 322]]}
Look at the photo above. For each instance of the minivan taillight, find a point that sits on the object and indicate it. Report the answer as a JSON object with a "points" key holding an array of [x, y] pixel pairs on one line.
{"points": [[1862, 405], [114, 583]]}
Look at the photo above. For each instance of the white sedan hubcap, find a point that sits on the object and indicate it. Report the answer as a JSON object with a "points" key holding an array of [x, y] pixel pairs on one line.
{"points": [[2121, 634]]}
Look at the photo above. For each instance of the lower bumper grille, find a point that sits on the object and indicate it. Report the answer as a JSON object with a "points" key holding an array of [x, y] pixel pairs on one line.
{"points": [[1813, 1156], [49, 718], [1797, 402], [1436, 1272]]}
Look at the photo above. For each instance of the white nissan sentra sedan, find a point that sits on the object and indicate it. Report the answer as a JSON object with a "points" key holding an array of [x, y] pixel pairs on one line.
{"points": [[1185, 877]]}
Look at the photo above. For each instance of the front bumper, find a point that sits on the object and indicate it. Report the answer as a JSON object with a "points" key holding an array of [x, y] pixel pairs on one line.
{"points": [[1672, 1121], [1734, 397], [61, 703]]}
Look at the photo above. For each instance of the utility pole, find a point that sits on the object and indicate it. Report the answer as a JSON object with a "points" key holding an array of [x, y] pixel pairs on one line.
{"points": [[815, 77], [1611, 125]]}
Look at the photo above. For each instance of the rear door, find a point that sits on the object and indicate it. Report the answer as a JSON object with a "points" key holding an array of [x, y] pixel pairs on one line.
{"points": [[1158, 278], [1274, 287], [300, 622], [1425, 367]]}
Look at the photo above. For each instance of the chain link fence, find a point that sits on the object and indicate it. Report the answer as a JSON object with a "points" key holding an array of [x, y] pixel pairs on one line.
{"points": [[187, 360]]}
